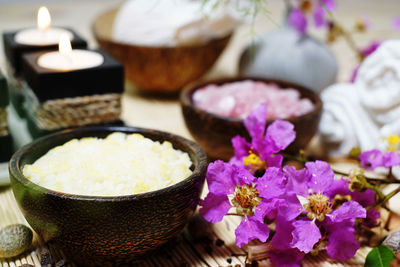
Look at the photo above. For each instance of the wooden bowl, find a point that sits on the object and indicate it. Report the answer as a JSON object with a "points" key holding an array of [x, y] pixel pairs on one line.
{"points": [[214, 133], [107, 231], [158, 69]]}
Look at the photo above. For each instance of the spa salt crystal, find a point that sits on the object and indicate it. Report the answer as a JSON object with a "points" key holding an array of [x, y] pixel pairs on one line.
{"points": [[118, 165]]}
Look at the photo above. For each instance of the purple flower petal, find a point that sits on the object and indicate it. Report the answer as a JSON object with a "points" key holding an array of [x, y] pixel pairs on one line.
{"points": [[291, 208], [283, 236], [221, 178], [305, 235], [297, 180], [319, 15], [322, 176], [342, 244], [298, 20], [286, 258], [373, 216], [369, 49], [267, 208], [214, 208], [338, 187], [391, 159], [256, 121], [396, 23], [354, 74], [249, 229], [243, 176], [280, 134], [272, 160], [241, 147], [365, 199], [371, 159], [329, 4], [271, 184], [348, 210]]}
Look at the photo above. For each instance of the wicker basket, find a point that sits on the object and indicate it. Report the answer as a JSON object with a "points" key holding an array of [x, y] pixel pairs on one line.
{"points": [[78, 111], [3, 122]]}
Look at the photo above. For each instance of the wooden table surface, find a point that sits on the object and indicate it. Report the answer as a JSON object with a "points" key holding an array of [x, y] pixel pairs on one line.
{"points": [[166, 114]]}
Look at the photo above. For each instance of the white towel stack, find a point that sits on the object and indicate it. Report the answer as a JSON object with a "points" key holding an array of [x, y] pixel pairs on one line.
{"points": [[360, 114]]}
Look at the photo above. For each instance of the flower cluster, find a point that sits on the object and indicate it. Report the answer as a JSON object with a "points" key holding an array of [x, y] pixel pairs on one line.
{"points": [[310, 209], [315, 8]]}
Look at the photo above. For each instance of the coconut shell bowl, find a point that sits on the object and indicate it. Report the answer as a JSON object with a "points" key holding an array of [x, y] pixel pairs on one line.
{"points": [[107, 231], [214, 133], [164, 70]]}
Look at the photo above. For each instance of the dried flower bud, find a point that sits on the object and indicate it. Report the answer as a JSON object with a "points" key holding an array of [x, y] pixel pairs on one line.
{"points": [[357, 180], [355, 152], [334, 31]]}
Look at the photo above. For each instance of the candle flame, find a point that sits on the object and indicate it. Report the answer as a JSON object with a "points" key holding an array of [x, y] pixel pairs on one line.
{"points": [[64, 45], [43, 18]]}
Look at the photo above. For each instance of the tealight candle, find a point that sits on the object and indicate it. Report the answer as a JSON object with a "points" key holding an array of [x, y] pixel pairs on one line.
{"points": [[43, 34], [67, 59], [41, 38]]}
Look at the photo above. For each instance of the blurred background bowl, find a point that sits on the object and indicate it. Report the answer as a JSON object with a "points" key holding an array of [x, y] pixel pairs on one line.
{"points": [[158, 69], [107, 231], [214, 133]]}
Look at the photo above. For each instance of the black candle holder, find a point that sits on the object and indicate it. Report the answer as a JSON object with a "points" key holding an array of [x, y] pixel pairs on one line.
{"points": [[6, 147], [48, 84]]}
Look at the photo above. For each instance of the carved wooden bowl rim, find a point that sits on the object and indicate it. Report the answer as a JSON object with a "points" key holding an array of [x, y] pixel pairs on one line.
{"points": [[102, 35]]}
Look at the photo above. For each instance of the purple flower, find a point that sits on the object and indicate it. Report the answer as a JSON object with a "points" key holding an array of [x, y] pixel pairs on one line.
{"points": [[298, 16], [369, 49], [229, 187], [315, 202], [373, 159], [298, 20], [366, 198], [223, 180], [260, 153], [396, 23], [250, 228]]}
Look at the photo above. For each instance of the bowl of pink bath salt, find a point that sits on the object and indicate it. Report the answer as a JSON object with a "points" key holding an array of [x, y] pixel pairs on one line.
{"points": [[238, 99], [214, 111]]}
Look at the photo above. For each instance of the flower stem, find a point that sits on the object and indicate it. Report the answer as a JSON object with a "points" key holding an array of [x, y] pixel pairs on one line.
{"points": [[294, 158], [346, 34], [371, 179], [386, 198]]}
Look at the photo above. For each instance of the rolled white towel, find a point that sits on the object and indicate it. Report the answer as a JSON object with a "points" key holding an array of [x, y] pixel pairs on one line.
{"points": [[378, 86], [171, 22], [344, 123]]}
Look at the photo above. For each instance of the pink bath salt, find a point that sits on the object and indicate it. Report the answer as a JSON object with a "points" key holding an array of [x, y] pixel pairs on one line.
{"points": [[238, 99]]}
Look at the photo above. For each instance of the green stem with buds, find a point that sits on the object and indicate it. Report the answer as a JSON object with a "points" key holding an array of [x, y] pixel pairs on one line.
{"points": [[346, 34]]}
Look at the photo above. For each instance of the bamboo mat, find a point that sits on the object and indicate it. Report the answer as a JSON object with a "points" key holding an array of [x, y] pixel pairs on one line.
{"points": [[218, 250]]}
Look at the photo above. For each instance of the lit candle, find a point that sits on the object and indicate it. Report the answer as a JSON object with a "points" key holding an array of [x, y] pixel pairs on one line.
{"points": [[43, 34], [67, 59]]}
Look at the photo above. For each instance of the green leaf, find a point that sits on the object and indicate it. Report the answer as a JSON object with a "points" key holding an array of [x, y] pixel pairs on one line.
{"points": [[380, 256]]}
